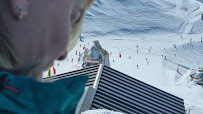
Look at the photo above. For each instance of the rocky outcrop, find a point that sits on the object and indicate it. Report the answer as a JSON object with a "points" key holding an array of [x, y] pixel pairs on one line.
{"points": [[96, 55]]}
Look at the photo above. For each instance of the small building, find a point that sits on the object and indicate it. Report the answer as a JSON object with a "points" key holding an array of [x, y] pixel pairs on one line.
{"points": [[110, 89]]}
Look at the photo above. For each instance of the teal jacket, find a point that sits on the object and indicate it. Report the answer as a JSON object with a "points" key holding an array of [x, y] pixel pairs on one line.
{"points": [[20, 94]]}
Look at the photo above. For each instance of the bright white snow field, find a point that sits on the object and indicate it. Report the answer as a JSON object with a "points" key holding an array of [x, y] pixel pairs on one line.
{"points": [[155, 26]]}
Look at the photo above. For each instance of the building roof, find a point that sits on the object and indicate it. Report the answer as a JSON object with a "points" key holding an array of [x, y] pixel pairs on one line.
{"points": [[120, 92]]}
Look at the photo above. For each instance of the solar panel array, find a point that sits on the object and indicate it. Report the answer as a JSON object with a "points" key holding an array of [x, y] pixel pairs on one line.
{"points": [[119, 92], [90, 71]]}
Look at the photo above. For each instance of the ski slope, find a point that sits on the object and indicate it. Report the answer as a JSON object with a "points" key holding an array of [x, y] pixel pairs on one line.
{"points": [[155, 26]]}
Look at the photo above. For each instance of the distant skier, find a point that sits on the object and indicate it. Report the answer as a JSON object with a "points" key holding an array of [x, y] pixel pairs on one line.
{"points": [[129, 57], [201, 39], [120, 54], [162, 56], [174, 45], [137, 46], [54, 70], [191, 40], [146, 59], [80, 45], [178, 69], [88, 44], [113, 61], [58, 65], [137, 51], [76, 52], [137, 67], [72, 60], [175, 55], [79, 53], [49, 72], [165, 57]]}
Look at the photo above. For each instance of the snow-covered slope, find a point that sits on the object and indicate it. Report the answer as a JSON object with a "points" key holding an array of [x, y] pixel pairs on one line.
{"points": [[119, 17], [155, 26]]}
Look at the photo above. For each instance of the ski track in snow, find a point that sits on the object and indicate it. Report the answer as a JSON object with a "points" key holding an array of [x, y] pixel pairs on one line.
{"points": [[190, 17]]}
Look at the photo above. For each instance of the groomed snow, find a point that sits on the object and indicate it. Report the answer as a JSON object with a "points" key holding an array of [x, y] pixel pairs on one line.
{"points": [[155, 26]]}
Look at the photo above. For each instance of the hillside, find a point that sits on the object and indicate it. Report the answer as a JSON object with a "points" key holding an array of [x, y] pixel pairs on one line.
{"points": [[156, 26]]}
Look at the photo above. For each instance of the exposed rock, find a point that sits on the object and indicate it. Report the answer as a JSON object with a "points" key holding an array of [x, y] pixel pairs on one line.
{"points": [[95, 55]]}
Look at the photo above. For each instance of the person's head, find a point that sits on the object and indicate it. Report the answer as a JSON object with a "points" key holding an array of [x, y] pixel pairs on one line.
{"points": [[34, 33]]}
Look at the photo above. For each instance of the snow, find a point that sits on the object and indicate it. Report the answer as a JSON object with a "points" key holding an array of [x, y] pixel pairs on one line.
{"points": [[101, 111], [155, 26]]}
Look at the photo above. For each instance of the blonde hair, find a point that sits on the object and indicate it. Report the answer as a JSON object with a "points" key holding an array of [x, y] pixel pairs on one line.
{"points": [[9, 60], [76, 29]]}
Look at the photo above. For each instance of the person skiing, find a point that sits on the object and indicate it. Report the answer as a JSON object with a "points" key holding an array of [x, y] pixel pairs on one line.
{"points": [[76, 52], [49, 72], [202, 17], [137, 51], [137, 67], [120, 54], [54, 70], [201, 39], [72, 60], [165, 57]]}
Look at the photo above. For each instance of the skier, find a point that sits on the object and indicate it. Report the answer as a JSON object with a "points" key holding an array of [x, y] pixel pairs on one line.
{"points": [[120, 54], [80, 45], [137, 46], [165, 57], [58, 65], [146, 59], [178, 69], [191, 40], [162, 55], [113, 61], [49, 72], [72, 60], [76, 52], [137, 67], [137, 51], [174, 46], [54, 70], [175, 55], [88, 44], [202, 17], [201, 39], [129, 57], [79, 54]]}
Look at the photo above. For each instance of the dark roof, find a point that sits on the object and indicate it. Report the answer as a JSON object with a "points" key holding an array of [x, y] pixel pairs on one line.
{"points": [[120, 92], [90, 71]]}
